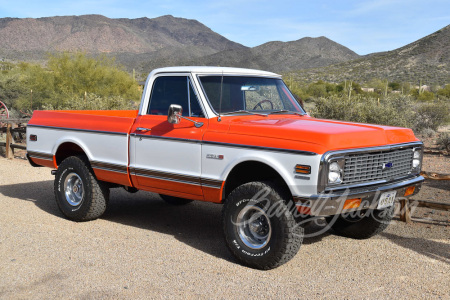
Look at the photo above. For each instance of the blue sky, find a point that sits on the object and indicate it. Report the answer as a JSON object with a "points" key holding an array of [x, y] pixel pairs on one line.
{"points": [[364, 26]]}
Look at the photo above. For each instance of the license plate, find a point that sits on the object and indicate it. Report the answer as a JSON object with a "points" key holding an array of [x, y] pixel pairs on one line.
{"points": [[386, 199]]}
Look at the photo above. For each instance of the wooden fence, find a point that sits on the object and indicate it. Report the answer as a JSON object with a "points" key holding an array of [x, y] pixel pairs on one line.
{"points": [[7, 127], [406, 204]]}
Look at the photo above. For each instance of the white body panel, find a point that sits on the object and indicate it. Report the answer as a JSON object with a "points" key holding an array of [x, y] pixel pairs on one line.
{"points": [[110, 148], [168, 156], [283, 163]]}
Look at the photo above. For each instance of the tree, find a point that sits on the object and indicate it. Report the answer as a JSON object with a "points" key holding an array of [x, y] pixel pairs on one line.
{"points": [[75, 74], [395, 86], [69, 77]]}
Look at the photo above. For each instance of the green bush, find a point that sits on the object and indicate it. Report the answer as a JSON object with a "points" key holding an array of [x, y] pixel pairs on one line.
{"points": [[427, 132], [445, 92], [93, 102], [66, 77], [444, 141], [394, 111], [432, 115], [422, 96]]}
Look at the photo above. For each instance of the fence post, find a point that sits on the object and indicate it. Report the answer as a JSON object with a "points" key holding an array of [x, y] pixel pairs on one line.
{"points": [[8, 150], [405, 212]]}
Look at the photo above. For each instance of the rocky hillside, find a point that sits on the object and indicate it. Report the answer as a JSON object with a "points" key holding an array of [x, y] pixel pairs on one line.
{"points": [[427, 59], [32, 38], [284, 56], [145, 43]]}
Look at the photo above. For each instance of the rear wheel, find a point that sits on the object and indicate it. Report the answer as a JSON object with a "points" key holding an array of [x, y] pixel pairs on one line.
{"points": [[79, 195], [175, 200], [361, 224], [259, 229]]}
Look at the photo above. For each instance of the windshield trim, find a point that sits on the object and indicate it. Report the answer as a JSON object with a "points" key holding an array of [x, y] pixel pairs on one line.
{"points": [[240, 112]]}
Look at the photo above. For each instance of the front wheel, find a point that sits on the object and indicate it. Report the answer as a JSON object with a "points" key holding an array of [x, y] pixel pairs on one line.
{"points": [[259, 229], [79, 195], [361, 224]]}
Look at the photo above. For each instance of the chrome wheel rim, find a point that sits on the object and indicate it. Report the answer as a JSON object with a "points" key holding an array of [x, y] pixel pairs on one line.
{"points": [[73, 189], [254, 228]]}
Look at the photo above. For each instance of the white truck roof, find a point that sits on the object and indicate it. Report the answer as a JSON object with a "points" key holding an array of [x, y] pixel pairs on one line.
{"points": [[214, 70]]}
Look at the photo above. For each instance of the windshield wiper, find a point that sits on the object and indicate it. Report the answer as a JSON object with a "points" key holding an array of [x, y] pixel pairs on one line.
{"points": [[244, 112], [286, 111]]}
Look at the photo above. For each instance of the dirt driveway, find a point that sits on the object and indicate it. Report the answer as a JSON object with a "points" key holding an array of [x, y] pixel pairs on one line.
{"points": [[144, 248]]}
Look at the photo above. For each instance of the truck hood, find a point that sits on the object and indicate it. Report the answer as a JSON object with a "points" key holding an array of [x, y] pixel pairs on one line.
{"points": [[316, 134]]}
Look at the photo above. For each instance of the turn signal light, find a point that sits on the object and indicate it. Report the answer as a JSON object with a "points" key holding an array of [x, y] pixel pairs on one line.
{"points": [[303, 169], [409, 191], [352, 203]]}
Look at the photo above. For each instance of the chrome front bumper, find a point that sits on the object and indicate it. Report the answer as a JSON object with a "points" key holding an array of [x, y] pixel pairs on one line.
{"points": [[332, 203]]}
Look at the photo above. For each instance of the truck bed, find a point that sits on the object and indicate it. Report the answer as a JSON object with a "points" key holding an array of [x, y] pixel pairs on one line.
{"points": [[98, 120], [101, 135]]}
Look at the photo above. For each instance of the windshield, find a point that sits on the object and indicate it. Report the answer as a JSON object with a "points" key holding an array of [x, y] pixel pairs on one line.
{"points": [[251, 94]]}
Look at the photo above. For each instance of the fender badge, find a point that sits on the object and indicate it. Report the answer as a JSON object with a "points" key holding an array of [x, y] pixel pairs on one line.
{"points": [[214, 156]]}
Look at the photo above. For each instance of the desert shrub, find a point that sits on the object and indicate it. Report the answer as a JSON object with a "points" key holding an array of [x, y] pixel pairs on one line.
{"points": [[11, 88], [427, 132], [394, 111], [92, 102], [65, 80], [443, 141], [426, 96], [432, 115], [422, 96], [317, 90], [445, 92]]}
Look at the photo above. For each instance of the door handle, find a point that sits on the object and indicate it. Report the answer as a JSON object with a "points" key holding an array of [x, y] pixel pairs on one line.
{"points": [[143, 129]]}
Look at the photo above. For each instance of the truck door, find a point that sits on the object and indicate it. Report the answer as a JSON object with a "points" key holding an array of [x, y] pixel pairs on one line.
{"points": [[166, 158]]}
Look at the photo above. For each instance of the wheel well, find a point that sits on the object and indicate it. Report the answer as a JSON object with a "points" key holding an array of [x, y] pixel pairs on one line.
{"points": [[252, 171], [66, 150]]}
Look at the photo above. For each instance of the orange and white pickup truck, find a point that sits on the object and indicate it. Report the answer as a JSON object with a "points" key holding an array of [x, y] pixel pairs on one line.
{"points": [[236, 137]]}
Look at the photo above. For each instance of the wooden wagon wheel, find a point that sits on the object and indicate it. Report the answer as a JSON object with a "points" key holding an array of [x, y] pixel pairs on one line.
{"points": [[4, 113]]}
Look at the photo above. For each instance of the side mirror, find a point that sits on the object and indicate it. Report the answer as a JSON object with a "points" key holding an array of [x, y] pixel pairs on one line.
{"points": [[174, 114]]}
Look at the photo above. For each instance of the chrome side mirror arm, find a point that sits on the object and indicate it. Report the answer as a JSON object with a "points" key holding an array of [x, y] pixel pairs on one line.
{"points": [[175, 114]]}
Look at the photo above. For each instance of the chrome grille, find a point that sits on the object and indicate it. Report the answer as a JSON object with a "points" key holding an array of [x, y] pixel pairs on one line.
{"points": [[360, 168]]}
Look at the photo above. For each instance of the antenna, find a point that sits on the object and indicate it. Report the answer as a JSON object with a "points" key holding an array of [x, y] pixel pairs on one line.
{"points": [[220, 101]]}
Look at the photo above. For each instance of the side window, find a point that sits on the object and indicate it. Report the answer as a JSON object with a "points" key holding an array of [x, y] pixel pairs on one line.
{"points": [[169, 90]]}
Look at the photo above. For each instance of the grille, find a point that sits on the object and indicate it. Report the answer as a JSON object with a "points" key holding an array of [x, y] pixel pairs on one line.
{"points": [[367, 167]]}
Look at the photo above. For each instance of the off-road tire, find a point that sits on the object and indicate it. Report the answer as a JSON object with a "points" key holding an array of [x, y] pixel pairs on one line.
{"points": [[372, 223], [95, 194], [175, 200], [286, 235]]}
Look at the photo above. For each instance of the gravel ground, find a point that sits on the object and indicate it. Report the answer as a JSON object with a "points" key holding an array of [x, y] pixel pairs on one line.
{"points": [[144, 248]]}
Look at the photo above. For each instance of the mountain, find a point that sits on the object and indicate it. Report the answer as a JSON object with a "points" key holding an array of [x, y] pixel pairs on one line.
{"points": [[427, 59], [283, 56], [32, 38], [145, 44]]}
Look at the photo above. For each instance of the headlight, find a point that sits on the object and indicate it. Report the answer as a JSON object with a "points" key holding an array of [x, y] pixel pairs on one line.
{"points": [[334, 173], [417, 159]]}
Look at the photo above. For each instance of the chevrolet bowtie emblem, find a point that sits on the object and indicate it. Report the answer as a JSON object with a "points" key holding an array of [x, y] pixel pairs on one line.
{"points": [[387, 165]]}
